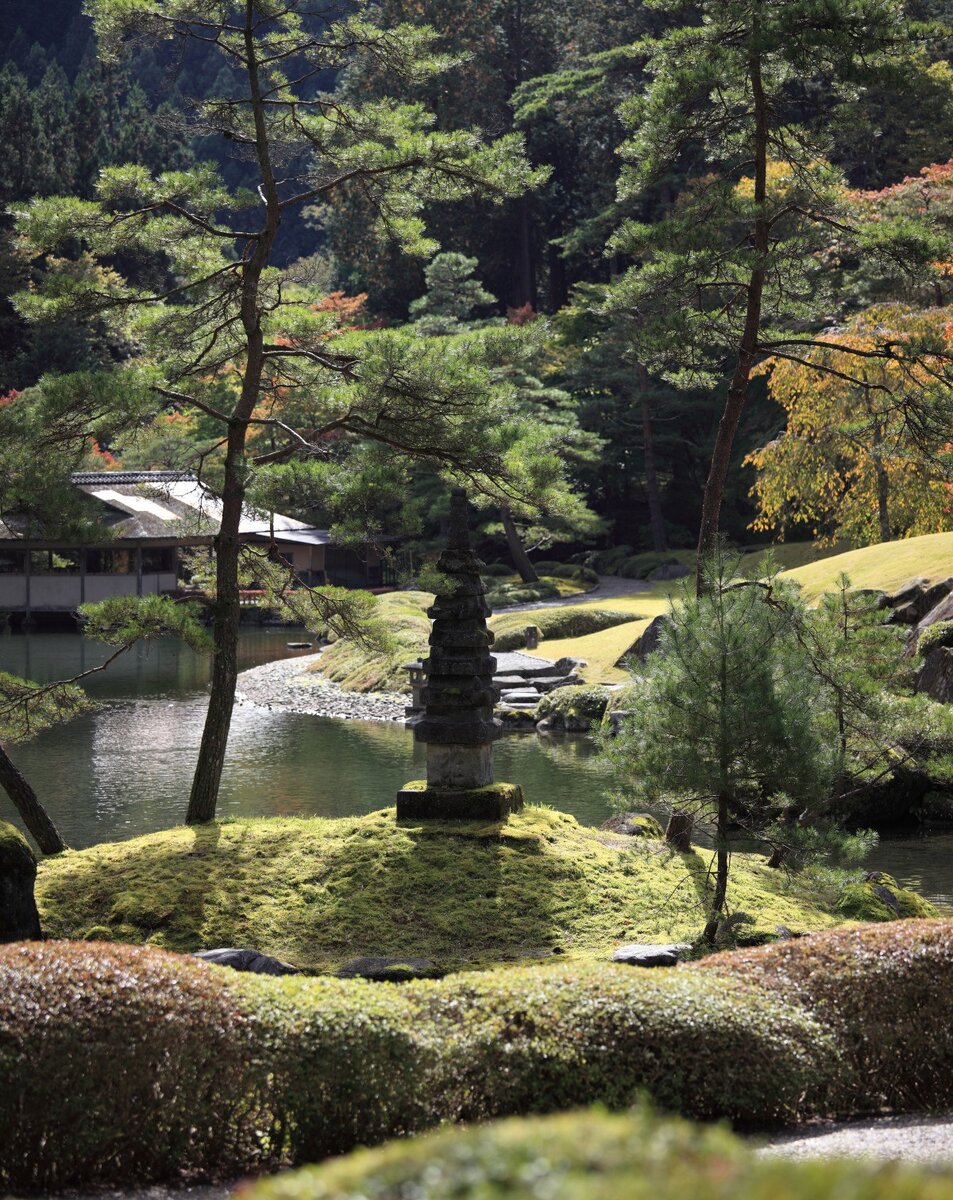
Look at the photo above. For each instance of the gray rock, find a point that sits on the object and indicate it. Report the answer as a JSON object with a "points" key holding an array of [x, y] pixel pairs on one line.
{"points": [[648, 642], [247, 960], [558, 722], [521, 696], [567, 665], [19, 919], [909, 591], [389, 970], [935, 677], [915, 600], [618, 718], [634, 824], [640, 954]]}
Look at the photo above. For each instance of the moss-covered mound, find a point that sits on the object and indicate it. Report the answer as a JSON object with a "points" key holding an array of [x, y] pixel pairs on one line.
{"points": [[885, 990], [318, 892], [122, 1063], [509, 629], [366, 669], [593, 1156]]}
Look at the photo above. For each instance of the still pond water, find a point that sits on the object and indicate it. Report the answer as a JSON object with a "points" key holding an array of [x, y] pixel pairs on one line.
{"points": [[125, 767]]}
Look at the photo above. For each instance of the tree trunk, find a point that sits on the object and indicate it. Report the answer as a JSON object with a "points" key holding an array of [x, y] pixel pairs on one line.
{"points": [[526, 570], [32, 812], [678, 832], [721, 873], [656, 520], [883, 511], [747, 350], [203, 797]]}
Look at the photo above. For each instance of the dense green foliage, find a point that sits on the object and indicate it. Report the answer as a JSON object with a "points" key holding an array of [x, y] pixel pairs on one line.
{"points": [[230, 1070], [510, 629], [239, 1070], [594, 1156]]}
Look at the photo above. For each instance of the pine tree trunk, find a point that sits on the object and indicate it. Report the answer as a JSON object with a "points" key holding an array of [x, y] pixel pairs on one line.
{"points": [[883, 511], [32, 812], [738, 388], [203, 798], [721, 873], [525, 569], [656, 520]]}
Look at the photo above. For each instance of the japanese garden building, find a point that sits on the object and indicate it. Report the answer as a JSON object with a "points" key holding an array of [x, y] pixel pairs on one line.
{"points": [[149, 518]]}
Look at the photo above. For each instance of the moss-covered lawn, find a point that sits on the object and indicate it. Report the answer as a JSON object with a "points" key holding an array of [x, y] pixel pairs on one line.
{"points": [[318, 892], [887, 567]]}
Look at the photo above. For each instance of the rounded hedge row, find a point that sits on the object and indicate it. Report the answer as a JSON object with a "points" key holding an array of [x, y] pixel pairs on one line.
{"points": [[121, 1063], [886, 993], [592, 1156]]}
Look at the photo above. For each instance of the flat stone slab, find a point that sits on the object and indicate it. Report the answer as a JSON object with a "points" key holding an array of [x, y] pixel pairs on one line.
{"points": [[388, 970], [515, 663], [644, 954], [521, 696], [417, 802]]}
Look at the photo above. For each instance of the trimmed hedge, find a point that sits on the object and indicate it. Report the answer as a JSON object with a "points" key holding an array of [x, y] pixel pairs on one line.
{"points": [[118, 1063], [886, 992], [593, 1156], [940, 633], [569, 622], [121, 1063]]}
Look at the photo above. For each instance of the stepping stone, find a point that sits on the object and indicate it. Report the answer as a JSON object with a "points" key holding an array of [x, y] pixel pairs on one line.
{"points": [[641, 954], [521, 696]]}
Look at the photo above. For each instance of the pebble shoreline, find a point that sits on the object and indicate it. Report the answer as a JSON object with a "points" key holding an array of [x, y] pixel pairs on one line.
{"points": [[288, 684]]}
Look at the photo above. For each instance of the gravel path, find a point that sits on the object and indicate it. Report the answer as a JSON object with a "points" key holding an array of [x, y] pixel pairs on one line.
{"points": [[608, 587], [912, 1139], [289, 685]]}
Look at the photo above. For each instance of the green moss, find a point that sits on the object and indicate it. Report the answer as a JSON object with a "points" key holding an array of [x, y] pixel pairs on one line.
{"points": [[365, 669], [880, 898], [15, 852], [317, 892], [586, 701], [940, 633], [592, 1156]]}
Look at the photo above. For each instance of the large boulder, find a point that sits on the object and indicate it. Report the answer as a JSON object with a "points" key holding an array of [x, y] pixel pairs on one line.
{"points": [[916, 599], [634, 824], [649, 641], [935, 677], [19, 919]]}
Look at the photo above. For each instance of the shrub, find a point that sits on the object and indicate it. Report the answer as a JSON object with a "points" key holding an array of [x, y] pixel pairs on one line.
{"points": [[119, 1063], [568, 622], [587, 700], [934, 636], [640, 566], [542, 1039], [497, 568], [592, 1156], [548, 567], [521, 593], [886, 992]]}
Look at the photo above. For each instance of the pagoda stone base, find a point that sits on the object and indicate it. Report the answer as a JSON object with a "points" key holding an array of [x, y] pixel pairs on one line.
{"points": [[459, 767], [417, 801]]}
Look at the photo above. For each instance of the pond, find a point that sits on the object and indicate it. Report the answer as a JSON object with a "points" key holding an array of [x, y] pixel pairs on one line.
{"points": [[125, 767]]}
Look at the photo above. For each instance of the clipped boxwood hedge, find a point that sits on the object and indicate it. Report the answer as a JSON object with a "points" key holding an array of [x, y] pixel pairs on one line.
{"points": [[510, 629], [885, 991], [121, 1064], [118, 1063], [593, 1156]]}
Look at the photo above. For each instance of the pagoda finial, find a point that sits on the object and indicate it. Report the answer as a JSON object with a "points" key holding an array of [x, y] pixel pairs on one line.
{"points": [[458, 534]]}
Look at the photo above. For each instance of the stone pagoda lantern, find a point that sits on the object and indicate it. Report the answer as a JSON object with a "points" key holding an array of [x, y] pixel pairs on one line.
{"points": [[457, 723]]}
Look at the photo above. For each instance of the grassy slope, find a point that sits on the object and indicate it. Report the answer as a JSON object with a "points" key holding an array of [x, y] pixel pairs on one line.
{"points": [[318, 892], [886, 566]]}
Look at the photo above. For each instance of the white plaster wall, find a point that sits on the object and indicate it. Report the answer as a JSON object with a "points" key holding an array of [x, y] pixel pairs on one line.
{"points": [[12, 591], [54, 591]]}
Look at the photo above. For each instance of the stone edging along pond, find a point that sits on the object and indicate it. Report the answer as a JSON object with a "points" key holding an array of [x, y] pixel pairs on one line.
{"points": [[289, 684]]}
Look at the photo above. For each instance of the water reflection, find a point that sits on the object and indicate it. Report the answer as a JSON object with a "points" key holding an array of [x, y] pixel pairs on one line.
{"points": [[125, 768]]}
